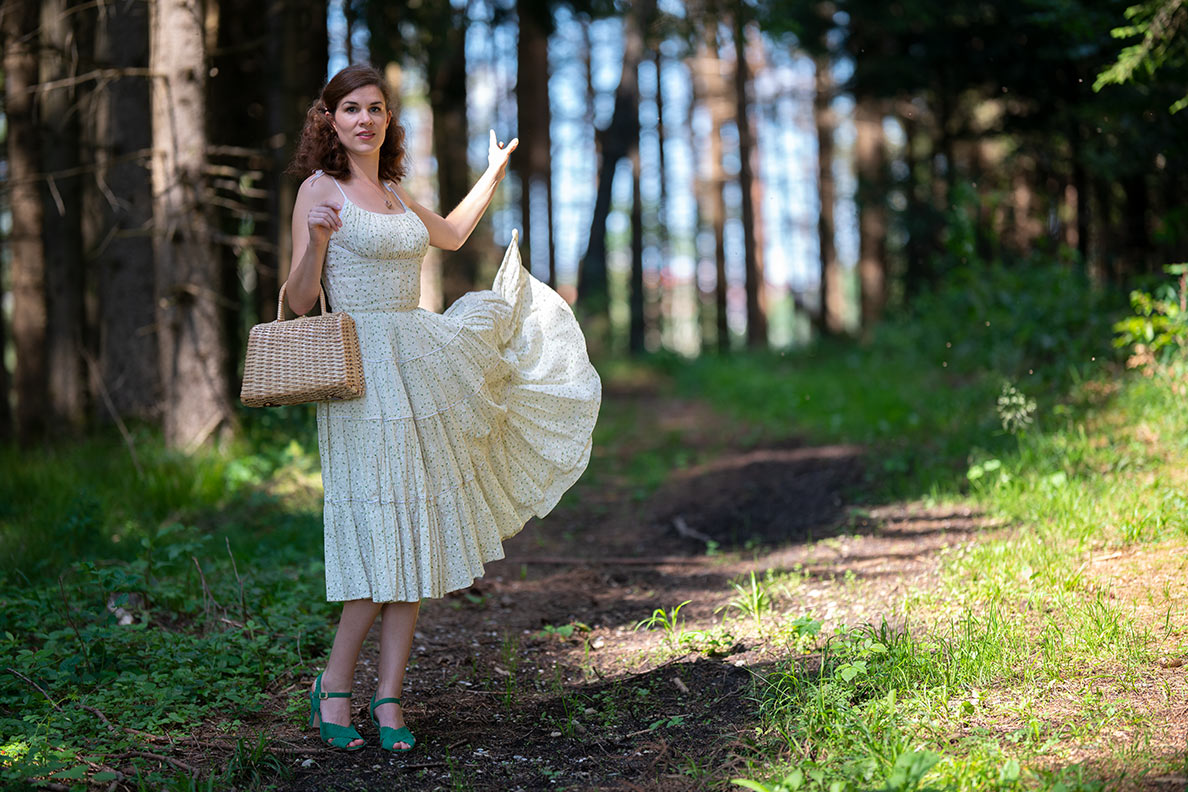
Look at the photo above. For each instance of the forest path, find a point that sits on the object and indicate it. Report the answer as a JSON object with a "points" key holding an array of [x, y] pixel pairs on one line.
{"points": [[537, 678]]}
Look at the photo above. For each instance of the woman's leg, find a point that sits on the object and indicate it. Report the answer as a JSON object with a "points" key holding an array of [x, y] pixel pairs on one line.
{"points": [[339, 676], [396, 637]]}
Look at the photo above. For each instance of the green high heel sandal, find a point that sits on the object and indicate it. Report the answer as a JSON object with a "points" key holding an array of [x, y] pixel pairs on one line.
{"points": [[389, 736], [333, 734]]}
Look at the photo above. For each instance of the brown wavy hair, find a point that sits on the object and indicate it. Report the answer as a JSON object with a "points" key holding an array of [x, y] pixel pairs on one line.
{"points": [[319, 148]]}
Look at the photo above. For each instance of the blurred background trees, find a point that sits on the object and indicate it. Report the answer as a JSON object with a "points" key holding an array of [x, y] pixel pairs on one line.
{"points": [[695, 177]]}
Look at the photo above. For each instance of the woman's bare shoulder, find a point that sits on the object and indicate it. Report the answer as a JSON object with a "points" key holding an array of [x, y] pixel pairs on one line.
{"points": [[316, 188]]}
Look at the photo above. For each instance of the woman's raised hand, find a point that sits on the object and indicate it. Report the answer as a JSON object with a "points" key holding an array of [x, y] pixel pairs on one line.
{"points": [[498, 154], [323, 221]]}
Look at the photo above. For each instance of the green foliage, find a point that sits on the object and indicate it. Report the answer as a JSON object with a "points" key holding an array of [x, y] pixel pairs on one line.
{"points": [[254, 766], [58, 504], [1160, 25], [1015, 411], [1036, 317], [993, 352], [156, 602], [563, 631], [751, 599], [670, 622], [877, 713], [1155, 335]]}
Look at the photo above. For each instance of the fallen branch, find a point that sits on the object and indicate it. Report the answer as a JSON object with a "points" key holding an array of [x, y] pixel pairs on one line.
{"points": [[684, 530], [114, 726], [180, 765], [35, 685], [419, 765]]}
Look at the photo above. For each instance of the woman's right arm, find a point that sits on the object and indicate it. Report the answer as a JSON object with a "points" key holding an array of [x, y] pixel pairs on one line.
{"points": [[314, 221]]}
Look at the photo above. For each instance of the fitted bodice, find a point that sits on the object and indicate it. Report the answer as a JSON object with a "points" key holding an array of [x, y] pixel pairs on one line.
{"points": [[373, 262]]}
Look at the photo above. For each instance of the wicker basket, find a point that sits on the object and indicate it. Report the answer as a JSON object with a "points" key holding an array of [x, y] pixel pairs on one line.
{"points": [[307, 359]]}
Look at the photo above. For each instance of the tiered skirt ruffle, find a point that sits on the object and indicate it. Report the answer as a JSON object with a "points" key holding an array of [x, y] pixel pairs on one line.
{"points": [[472, 422]]}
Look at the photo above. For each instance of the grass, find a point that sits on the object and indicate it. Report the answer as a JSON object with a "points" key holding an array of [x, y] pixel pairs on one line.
{"points": [[752, 600], [200, 595], [1025, 654], [669, 622], [1018, 671]]}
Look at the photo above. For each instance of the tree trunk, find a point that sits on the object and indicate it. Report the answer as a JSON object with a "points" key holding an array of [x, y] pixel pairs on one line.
{"points": [[614, 143], [298, 47], [753, 255], [1101, 249], [62, 217], [127, 378], [447, 98], [1136, 232], [350, 17], [717, 99], [5, 407], [872, 227], [193, 374], [919, 214], [237, 94], [636, 300], [699, 68], [534, 154], [1080, 188], [29, 332], [829, 317], [661, 317]]}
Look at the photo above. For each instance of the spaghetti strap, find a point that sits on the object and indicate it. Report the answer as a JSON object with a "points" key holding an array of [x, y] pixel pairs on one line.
{"points": [[319, 173], [389, 189], [339, 186]]}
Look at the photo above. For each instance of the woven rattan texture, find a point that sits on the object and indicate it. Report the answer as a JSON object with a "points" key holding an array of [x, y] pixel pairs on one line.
{"points": [[308, 359]]}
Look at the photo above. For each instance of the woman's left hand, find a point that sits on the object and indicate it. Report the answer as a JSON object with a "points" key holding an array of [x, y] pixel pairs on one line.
{"points": [[498, 154]]}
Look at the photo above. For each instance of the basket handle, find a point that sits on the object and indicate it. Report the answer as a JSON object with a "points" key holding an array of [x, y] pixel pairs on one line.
{"points": [[280, 301]]}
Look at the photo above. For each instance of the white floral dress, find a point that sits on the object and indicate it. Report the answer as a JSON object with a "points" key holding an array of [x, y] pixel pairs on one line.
{"points": [[471, 422]]}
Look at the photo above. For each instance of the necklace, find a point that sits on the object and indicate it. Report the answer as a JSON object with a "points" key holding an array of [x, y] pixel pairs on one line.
{"points": [[383, 194]]}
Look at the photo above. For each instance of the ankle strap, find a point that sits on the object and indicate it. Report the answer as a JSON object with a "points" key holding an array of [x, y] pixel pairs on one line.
{"points": [[377, 702], [325, 695]]}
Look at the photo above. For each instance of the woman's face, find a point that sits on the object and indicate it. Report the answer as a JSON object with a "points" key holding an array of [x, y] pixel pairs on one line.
{"points": [[361, 120]]}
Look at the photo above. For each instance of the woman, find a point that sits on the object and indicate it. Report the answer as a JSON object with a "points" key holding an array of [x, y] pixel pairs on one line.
{"points": [[471, 422]]}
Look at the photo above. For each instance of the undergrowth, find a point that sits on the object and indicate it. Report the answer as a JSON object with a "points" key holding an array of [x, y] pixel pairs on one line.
{"points": [[1019, 658], [141, 597]]}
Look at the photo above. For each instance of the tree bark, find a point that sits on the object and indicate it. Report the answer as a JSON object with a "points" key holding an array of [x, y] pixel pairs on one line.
{"points": [[1136, 232], [118, 215], [872, 228], [716, 98], [237, 101], [298, 47], [5, 407], [1080, 186], [29, 317], [699, 67], [661, 317], [614, 143], [534, 155], [829, 318], [919, 213], [62, 217], [636, 300], [196, 398], [753, 255], [447, 98]]}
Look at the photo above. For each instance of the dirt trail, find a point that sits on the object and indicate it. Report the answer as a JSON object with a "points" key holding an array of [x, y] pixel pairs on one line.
{"points": [[536, 679]]}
